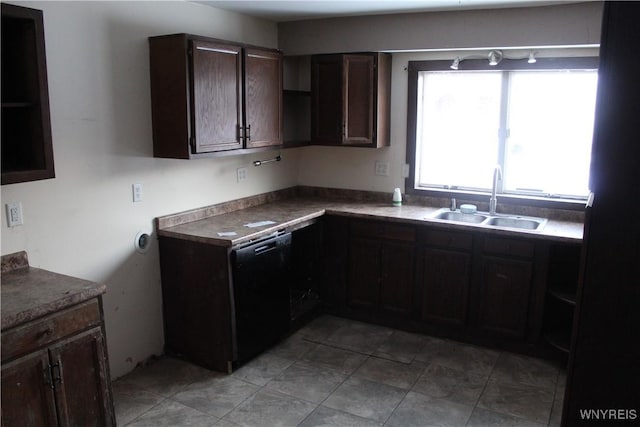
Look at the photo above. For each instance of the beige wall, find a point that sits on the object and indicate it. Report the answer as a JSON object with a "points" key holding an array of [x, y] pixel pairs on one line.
{"points": [[561, 25], [83, 222]]}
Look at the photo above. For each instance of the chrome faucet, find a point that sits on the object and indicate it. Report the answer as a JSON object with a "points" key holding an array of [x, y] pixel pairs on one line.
{"points": [[493, 201]]}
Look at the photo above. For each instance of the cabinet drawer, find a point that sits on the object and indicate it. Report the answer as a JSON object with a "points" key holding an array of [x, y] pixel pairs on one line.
{"points": [[42, 332], [509, 247], [383, 230], [448, 239]]}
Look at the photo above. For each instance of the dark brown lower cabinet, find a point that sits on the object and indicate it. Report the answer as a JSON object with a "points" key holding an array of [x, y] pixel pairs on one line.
{"points": [[504, 296], [363, 290], [55, 371], [444, 277], [380, 268], [445, 280], [396, 278], [503, 292]]}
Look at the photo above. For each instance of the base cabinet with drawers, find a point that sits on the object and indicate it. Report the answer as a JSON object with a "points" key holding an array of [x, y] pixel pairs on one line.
{"points": [[55, 371]]}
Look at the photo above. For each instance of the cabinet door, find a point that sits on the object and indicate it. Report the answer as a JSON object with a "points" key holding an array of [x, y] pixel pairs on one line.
{"points": [[396, 278], [216, 96], [359, 96], [263, 93], [326, 100], [445, 286], [27, 393], [81, 380], [504, 296], [363, 287]]}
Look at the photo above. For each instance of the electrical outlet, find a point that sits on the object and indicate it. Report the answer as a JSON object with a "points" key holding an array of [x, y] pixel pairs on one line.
{"points": [[14, 214], [382, 168], [137, 192], [241, 174]]}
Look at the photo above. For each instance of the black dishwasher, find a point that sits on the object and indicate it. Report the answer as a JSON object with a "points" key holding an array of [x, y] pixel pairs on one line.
{"points": [[261, 281]]}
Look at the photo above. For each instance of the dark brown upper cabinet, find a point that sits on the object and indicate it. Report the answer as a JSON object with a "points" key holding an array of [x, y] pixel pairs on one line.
{"points": [[350, 97], [210, 96], [27, 153]]}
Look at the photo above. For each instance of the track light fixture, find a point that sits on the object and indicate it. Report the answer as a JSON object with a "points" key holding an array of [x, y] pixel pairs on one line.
{"points": [[495, 56]]}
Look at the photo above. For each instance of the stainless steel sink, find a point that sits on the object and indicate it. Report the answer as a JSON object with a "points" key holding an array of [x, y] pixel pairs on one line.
{"points": [[483, 218], [449, 215], [516, 222]]}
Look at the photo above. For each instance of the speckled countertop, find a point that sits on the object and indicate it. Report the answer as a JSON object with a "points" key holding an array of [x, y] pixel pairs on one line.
{"points": [[289, 212], [28, 293]]}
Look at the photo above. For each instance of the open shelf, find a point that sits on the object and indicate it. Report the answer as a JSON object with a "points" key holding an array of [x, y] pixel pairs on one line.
{"points": [[27, 152], [560, 301]]}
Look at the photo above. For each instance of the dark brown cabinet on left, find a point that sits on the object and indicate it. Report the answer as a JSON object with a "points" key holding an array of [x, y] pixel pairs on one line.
{"points": [[210, 96], [55, 371], [27, 153]]}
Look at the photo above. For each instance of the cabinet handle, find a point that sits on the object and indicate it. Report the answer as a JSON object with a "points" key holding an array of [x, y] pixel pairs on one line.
{"points": [[56, 372], [240, 132], [248, 133]]}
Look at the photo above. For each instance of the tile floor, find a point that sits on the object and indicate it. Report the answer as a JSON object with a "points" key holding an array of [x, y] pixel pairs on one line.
{"points": [[338, 372]]}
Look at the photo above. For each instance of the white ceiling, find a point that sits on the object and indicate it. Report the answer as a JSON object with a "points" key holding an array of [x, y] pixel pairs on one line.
{"points": [[294, 10]]}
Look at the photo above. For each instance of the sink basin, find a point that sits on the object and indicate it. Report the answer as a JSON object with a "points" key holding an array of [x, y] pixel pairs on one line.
{"points": [[449, 215], [483, 218], [516, 222]]}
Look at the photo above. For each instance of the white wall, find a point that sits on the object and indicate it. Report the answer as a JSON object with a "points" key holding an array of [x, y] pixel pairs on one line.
{"points": [[83, 222]]}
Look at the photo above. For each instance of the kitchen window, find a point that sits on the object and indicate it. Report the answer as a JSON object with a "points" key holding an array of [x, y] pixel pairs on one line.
{"points": [[533, 120]]}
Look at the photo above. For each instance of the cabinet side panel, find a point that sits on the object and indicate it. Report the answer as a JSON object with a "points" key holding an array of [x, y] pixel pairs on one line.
{"points": [[169, 96], [383, 101], [196, 302]]}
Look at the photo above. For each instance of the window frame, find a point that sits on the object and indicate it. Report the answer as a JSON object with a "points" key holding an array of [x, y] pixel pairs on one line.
{"points": [[413, 69]]}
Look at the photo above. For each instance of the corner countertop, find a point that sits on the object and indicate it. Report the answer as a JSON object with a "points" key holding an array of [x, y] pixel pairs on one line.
{"points": [[28, 293], [289, 212]]}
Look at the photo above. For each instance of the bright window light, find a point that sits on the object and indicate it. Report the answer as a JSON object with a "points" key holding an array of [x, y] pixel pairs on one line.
{"points": [[537, 125]]}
